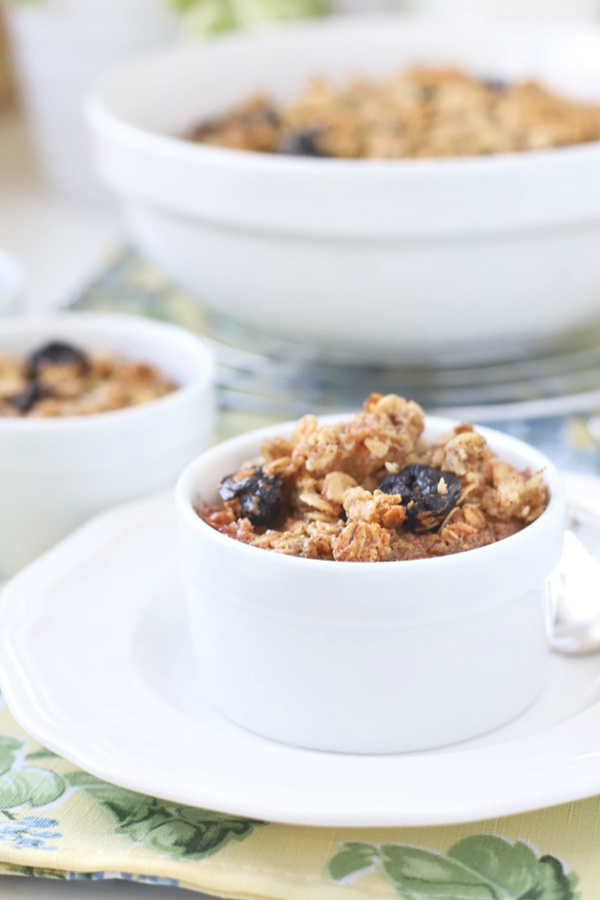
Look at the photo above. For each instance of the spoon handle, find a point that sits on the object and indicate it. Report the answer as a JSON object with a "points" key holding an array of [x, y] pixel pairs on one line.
{"points": [[583, 512], [575, 586]]}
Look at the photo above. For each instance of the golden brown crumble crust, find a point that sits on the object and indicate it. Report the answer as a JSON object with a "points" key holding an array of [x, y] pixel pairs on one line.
{"points": [[422, 112], [71, 390], [334, 510]]}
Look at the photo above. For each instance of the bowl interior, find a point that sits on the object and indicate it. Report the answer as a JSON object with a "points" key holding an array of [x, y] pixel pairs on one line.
{"points": [[173, 91]]}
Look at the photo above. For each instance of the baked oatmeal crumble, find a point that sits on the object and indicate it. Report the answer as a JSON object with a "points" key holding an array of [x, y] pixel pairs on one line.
{"points": [[422, 112], [370, 488], [61, 380]]}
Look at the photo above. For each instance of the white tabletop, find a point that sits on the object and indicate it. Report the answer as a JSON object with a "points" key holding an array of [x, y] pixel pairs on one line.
{"points": [[61, 244]]}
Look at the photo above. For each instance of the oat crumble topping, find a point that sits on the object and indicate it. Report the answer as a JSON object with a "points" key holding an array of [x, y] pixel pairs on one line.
{"points": [[59, 380], [423, 112], [370, 488]]}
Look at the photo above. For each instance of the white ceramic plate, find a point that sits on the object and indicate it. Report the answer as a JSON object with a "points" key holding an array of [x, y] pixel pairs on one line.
{"points": [[95, 664]]}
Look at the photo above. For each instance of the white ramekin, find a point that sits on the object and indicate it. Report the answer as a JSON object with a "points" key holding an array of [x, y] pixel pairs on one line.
{"points": [[367, 657], [411, 259], [56, 473]]}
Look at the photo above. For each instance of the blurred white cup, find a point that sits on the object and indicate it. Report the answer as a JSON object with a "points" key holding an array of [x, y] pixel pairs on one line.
{"points": [[11, 284], [60, 47]]}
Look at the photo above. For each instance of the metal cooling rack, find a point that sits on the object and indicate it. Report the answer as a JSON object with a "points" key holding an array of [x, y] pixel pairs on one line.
{"points": [[551, 399]]}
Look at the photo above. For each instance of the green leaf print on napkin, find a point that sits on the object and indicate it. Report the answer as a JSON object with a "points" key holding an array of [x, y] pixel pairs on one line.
{"points": [[354, 858], [22, 785], [181, 832], [483, 867], [9, 747], [30, 787], [516, 868]]}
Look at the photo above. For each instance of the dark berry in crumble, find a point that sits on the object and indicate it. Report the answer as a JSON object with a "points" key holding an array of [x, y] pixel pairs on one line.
{"points": [[428, 494], [260, 496], [57, 353]]}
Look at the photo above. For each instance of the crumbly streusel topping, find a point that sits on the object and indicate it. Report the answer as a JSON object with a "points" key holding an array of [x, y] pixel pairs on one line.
{"points": [[61, 380], [371, 489], [418, 113]]}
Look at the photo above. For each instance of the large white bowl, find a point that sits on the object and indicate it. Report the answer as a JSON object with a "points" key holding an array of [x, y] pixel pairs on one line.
{"points": [[367, 657], [418, 260], [56, 473]]}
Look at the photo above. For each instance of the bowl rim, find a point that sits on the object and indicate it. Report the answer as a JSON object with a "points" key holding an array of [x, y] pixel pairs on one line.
{"points": [[455, 561], [195, 347], [98, 113]]}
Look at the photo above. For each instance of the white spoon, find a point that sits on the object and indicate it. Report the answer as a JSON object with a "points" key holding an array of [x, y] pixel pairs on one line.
{"points": [[575, 588]]}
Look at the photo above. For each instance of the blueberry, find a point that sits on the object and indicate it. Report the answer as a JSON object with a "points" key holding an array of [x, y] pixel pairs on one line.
{"points": [[259, 495], [302, 143], [26, 400], [496, 85], [419, 486], [57, 353]]}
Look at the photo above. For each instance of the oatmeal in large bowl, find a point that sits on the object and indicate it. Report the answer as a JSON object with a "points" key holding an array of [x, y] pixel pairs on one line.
{"points": [[415, 113], [372, 488]]}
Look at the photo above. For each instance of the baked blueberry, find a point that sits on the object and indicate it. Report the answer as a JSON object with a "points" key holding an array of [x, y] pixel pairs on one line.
{"points": [[496, 85], [302, 143], [428, 494], [57, 353], [260, 496], [26, 400]]}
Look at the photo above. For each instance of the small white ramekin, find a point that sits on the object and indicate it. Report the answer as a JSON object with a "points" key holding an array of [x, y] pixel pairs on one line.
{"points": [[367, 657], [56, 473]]}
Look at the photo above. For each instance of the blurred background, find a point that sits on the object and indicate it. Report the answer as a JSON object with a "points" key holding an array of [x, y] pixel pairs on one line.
{"points": [[64, 242], [53, 51]]}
